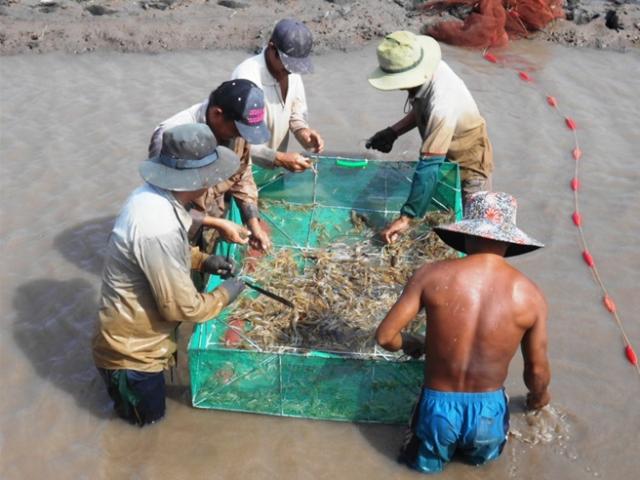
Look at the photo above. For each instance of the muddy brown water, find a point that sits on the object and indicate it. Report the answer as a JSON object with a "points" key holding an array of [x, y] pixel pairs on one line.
{"points": [[73, 129]]}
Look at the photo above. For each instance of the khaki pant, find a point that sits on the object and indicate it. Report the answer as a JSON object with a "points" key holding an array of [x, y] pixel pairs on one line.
{"points": [[473, 182]]}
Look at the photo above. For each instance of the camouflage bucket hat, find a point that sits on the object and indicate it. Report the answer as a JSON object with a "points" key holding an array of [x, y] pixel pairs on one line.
{"points": [[489, 215]]}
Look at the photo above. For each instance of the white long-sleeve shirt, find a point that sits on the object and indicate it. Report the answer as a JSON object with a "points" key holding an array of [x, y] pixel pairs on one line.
{"points": [[282, 115]]}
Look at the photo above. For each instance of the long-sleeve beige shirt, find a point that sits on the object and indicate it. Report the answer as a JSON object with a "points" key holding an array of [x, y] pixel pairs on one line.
{"points": [[283, 115], [146, 285], [450, 123]]}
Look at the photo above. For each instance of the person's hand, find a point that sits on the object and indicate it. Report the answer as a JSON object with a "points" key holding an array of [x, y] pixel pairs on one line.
{"points": [[412, 345], [292, 161], [383, 140], [259, 238], [234, 287], [537, 401], [232, 232], [310, 139], [218, 265], [393, 231]]}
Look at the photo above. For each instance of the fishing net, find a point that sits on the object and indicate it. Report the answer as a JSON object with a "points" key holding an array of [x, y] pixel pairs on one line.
{"points": [[321, 226], [491, 23]]}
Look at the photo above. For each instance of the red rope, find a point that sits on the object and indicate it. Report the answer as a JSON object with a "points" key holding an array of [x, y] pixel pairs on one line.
{"points": [[576, 154]]}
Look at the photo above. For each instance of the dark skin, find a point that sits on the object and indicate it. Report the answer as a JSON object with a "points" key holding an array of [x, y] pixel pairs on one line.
{"points": [[479, 310]]}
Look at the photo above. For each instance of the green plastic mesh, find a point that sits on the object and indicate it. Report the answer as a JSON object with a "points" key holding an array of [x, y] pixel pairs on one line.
{"points": [[305, 211]]}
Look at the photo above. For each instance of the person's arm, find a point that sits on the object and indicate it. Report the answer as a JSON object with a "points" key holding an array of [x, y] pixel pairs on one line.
{"points": [[384, 139], [537, 373], [162, 260], [299, 110], [298, 125], [245, 193], [438, 136], [405, 124], [389, 333], [229, 231], [266, 157], [263, 156]]}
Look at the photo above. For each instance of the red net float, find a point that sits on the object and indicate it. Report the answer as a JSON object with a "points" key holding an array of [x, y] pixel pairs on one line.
{"points": [[588, 259], [577, 154], [611, 306], [552, 101], [490, 57], [524, 76], [575, 184], [570, 123], [577, 219], [631, 355]]}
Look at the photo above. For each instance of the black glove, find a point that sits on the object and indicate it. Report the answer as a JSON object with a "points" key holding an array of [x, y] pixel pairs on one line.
{"points": [[233, 286], [218, 265], [383, 140]]}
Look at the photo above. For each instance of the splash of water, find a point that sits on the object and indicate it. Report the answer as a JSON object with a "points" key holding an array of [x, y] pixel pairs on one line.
{"points": [[547, 425]]}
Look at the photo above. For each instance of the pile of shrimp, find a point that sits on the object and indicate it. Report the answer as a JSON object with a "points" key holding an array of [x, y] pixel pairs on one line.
{"points": [[341, 292]]}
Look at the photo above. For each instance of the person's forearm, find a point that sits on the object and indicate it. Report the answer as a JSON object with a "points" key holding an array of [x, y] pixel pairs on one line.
{"points": [[537, 378], [423, 186], [263, 156], [253, 224], [405, 124], [248, 210], [212, 222], [393, 344], [197, 258]]}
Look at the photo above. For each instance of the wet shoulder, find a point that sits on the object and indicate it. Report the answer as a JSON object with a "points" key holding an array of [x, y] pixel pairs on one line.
{"points": [[527, 296]]}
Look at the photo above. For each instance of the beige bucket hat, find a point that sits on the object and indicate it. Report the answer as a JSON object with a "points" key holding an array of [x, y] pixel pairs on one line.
{"points": [[405, 61]]}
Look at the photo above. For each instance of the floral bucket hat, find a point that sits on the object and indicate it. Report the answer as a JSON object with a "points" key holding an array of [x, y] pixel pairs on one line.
{"points": [[489, 215]]}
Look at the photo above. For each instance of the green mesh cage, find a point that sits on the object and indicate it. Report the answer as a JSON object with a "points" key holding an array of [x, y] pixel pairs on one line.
{"points": [[306, 211]]}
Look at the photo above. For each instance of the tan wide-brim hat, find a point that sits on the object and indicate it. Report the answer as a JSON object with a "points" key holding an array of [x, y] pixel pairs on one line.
{"points": [[405, 61]]}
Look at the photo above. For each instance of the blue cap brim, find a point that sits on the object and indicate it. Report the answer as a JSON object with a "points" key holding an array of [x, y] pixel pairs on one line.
{"points": [[253, 134], [299, 65]]}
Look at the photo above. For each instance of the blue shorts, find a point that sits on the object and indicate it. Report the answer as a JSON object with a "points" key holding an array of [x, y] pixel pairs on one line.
{"points": [[474, 425], [138, 397]]}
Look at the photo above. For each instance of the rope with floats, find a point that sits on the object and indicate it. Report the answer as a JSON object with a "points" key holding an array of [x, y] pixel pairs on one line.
{"points": [[576, 216]]}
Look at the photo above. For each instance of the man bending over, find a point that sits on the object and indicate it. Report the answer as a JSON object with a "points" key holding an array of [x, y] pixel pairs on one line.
{"points": [[479, 309]]}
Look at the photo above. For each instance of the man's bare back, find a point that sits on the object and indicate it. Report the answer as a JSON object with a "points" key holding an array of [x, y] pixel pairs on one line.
{"points": [[479, 309]]}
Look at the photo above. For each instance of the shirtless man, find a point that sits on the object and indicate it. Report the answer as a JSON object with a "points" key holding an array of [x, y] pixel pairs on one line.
{"points": [[479, 309]]}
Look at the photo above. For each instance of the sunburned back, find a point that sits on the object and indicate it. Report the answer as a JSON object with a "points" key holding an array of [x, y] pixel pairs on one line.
{"points": [[478, 309]]}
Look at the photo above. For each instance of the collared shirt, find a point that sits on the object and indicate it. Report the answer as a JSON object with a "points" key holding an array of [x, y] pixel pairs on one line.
{"points": [[240, 185], [146, 285], [282, 115], [450, 123]]}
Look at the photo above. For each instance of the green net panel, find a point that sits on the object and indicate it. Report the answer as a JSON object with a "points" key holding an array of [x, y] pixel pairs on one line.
{"points": [[306, 211]]}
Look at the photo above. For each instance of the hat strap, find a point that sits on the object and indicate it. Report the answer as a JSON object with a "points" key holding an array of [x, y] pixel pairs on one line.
{"points": [[404, 69], [184, 164]]}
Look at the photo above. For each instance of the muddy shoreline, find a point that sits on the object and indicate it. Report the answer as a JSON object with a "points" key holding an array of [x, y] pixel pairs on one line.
{"points": [[153, 26]]}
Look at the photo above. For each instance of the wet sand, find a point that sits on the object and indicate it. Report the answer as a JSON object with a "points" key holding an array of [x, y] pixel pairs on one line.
{"points": [[153, 26], [73, 131]]}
